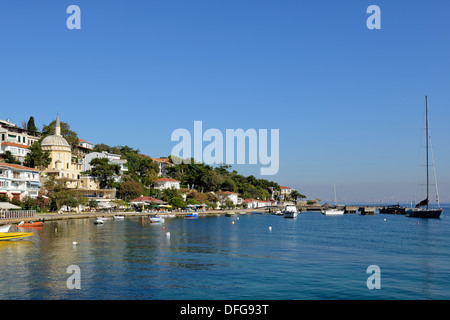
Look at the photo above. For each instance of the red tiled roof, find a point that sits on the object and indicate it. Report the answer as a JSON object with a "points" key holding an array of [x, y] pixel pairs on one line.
{"points": [[17, 166], [14, 144], [228, 192], [167, 180], [164, 160], [283, 187], [146, 199]]}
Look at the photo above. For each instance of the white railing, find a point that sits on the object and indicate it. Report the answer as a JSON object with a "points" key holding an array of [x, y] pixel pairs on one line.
{"points": [[19, 214]]}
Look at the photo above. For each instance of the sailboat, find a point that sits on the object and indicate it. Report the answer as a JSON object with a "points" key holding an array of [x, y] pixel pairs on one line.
{"points": [[333, 211], [422, 209]]}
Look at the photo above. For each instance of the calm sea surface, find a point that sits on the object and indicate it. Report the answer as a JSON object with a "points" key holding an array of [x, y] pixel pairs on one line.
{"points": [[311, 257]]}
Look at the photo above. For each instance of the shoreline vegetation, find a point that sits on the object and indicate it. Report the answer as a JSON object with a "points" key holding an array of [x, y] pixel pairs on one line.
{"points": [[79, 186]]}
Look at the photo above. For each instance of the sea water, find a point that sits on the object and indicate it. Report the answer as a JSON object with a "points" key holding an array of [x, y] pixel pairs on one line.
{"points": [[253, 257]]}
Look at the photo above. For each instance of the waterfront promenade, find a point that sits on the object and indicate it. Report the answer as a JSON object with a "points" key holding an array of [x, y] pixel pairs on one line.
{"points": [[49, 216]]}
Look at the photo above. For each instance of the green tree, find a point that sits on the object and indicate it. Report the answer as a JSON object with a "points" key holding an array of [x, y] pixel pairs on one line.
{"points": [[295, 195], [104, 172], [31, 127], [37, 158], [129, 189], [9, 158], [59, 195], [177, 202]]}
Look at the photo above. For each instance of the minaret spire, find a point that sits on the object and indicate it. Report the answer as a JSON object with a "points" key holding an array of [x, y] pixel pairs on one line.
{"points": [[57, 126]]}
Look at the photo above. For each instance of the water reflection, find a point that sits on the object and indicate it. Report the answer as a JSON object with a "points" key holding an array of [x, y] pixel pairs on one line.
{"points": [[213, 258]]}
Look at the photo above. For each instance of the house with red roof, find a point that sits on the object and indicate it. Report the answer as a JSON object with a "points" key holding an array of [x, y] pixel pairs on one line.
{"points": [[17, 181], [166, 183], [228, 195]]}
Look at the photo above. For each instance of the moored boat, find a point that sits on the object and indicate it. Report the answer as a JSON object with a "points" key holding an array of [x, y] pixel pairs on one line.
{"points": [[14, 235], [290, 212], [30, 224], [422, 209], [99, 221], [191, 216], [333, 212], [4, 229], [156, 219]]}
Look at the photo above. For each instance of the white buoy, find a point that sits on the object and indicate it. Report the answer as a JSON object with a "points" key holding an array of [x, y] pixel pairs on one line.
{"points": [[384, 219], [270, 228], [167, 234], [232, 222]]}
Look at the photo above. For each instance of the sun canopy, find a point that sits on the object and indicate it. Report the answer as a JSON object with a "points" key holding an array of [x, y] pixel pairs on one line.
{"points": [[7, 205]]}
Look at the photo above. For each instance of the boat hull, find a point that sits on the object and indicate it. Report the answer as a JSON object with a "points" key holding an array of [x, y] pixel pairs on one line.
{"points": [[424, 213], [290, 215], [156, 220], [333, 212], [14, 235], [31, 224], [5, 228]]}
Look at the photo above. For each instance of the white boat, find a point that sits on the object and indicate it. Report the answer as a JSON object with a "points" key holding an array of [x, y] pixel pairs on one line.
{"points": [[290, 212], [5, 228], [99, 221], [156, 220], [167, 215], [333, 211], [119, 217]]}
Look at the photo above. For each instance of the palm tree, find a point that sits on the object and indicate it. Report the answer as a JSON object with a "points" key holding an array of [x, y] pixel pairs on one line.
{"points": [[295, 195]]}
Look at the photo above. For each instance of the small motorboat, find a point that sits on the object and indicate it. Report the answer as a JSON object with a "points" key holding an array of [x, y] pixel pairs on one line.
{"points": [[156, 220], [290, 212], [99, 221], [5, 228], [230, 214], [119, 217], [192, 216], [34, 224], [14, 235]]}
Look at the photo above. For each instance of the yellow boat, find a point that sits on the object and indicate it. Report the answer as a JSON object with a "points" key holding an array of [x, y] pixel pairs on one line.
{"points": [[14, 235]]}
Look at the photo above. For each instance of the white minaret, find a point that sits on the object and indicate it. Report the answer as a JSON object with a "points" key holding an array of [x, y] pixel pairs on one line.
{"points": [[57, 126]]}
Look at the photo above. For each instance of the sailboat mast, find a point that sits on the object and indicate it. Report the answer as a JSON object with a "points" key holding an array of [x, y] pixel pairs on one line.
{"points": [[426, 111], [335, 200]]}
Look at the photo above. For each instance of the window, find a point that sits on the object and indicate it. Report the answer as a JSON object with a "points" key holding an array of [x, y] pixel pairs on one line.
{"points": [[2, 184], [3, 137], [16, 175]]}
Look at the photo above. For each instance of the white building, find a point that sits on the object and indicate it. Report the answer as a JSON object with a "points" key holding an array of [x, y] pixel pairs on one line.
{"points": [[285, 192], [17, 181], [166, 183], [14, 139], [112, 159], [19, 151], [84, 147], [163, 163], [228, 195]]}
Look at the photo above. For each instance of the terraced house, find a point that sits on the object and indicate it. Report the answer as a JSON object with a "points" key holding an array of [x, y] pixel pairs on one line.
{"points": [[17, 181]]}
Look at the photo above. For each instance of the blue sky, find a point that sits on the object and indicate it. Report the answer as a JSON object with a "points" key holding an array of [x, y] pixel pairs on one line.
{"points": [[349, 101]]}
